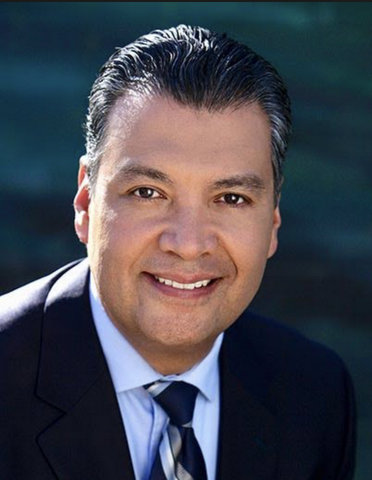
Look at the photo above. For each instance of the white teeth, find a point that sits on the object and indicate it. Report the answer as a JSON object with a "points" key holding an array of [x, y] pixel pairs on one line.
{"points": [[183, 286]]}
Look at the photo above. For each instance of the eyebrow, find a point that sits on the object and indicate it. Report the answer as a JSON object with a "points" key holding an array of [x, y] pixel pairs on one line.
{"points": [[247, 181], [132, 172]]}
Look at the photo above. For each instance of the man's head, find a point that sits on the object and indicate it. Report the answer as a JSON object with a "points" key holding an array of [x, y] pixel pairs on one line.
{"points": [[178, 215], [194, 67]]}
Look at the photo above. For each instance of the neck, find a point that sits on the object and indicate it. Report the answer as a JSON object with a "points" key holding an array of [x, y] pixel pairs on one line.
{"points": [[174, 364], [174, 360]]}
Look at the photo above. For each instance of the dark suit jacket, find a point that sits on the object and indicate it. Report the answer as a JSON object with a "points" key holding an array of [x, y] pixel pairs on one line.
{"points": [[287, 410]]}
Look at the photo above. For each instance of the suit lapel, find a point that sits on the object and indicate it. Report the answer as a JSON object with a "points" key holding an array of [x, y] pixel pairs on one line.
{"points": [[87, 438], [248, 428]]}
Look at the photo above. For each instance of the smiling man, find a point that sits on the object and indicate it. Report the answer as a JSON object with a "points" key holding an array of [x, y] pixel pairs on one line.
{"points": [[142, 361]]}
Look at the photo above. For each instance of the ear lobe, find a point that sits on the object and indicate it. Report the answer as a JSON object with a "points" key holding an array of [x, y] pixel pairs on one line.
{"points": [[277, 221], [81, 205]]}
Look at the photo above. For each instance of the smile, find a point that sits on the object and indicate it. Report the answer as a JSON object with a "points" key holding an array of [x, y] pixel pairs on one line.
{"points": [[183, 286]]}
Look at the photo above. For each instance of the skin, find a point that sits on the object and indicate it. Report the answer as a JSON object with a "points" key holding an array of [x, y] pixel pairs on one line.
{"points": [[185, 195]]}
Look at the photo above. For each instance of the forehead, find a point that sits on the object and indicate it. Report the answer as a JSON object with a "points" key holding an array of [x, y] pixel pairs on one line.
{"points": [[158, 129]]}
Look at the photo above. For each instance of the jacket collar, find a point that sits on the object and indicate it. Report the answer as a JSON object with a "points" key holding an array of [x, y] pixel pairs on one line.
{"points": [[248, 423], [87, 439]]}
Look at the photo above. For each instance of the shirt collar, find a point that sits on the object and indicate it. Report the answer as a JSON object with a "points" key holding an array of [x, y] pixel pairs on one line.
{"points": [[130, 370]]}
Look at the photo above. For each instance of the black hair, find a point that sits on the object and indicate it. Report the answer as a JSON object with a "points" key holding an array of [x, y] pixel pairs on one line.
{"points": [[197, 68]]}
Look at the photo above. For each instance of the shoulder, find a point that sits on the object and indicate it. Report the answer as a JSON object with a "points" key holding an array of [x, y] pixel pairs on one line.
{"points": [[284, 353], [27, 300], [304, 384], [21, 314]]}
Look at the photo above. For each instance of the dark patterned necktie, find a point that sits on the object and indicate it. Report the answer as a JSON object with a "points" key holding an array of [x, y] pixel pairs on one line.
{"points": [[179, 456]]}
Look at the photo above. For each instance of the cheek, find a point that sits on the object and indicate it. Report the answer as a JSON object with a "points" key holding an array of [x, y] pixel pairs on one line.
{"points": [[248, 240], [251, 260], [248, 247], [121, 238]]}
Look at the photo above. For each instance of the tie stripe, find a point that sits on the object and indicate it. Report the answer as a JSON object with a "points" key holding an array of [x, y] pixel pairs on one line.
{"points": [[156, 388], [175, 440], [179, 456], [168, 454]]}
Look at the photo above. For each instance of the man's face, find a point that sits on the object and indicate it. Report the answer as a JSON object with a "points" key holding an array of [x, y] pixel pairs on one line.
{"points": [[180, 223]]}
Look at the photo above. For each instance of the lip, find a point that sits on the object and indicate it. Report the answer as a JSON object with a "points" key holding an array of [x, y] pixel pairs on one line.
{"points": [[183, 293]]}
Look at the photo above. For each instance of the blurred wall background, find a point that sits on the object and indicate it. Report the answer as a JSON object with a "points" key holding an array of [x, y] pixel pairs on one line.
{"points": [[320, 280]]}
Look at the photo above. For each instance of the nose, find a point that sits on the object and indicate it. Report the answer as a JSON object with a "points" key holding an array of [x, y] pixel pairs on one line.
{"points": [[189, 234]]}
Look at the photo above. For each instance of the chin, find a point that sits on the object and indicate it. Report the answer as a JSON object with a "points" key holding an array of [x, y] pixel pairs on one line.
{"points": [[181, 338]]}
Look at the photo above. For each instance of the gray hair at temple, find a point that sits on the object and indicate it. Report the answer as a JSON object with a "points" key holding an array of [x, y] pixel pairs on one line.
{"points": [[197, 68]]}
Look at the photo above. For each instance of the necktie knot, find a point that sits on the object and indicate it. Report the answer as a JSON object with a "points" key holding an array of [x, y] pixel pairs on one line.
{"points": [[177, 400]]}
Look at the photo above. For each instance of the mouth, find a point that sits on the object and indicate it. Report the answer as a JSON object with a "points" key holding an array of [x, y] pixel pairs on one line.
{"points": [[184, 286], [197, 288]]}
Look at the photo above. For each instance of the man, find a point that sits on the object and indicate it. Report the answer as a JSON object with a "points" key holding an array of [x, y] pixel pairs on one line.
{"points": [[141, 361]]}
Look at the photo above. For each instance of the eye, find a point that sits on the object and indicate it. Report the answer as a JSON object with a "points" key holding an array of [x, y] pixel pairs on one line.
{"points": [[233, 199], [146, 193]]}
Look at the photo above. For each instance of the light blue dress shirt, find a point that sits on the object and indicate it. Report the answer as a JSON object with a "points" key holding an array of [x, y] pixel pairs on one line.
{"points": [[143, 418]]}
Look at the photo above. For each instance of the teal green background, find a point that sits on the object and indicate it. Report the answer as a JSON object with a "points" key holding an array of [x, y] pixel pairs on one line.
{"points": [[320, 280]]}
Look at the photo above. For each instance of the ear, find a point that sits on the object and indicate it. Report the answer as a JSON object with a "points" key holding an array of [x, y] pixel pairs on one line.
{"points": [[81, 203], [277, 221]]}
